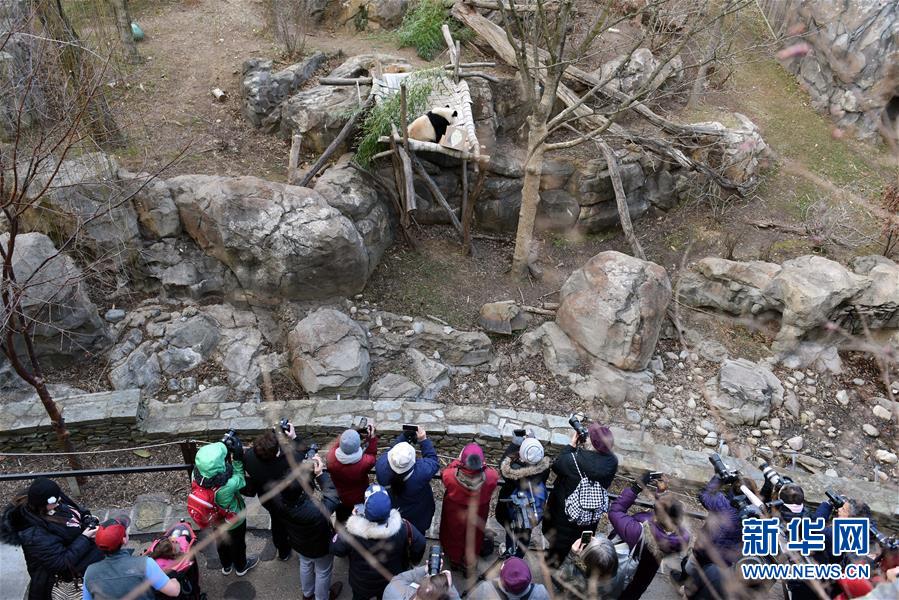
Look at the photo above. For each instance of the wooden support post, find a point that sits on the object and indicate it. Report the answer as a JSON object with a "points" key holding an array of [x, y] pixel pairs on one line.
{"points": [[467, 211], [409, 181], [456, 71], [404, 123], [338, 141], [438, 195], [294, 161]]}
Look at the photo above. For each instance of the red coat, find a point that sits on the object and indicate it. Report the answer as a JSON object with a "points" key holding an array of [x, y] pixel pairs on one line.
{"points": [[352, 480], [454, 519]]}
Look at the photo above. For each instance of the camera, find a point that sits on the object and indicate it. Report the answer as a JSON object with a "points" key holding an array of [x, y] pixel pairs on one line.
{"points": [[886, 542], [726, 475], [89, 521], [578, 427], [230, 439], [836, 500], [284, 424], [410, 432], [362, 427], [435, 560], [525, 515], [311, 451], [776, 480]]}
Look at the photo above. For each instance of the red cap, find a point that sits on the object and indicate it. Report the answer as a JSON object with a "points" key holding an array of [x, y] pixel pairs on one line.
{"points": [[111, 534]]}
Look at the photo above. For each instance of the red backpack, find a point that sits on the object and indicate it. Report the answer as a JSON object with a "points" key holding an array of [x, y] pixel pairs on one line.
{"points": [[203, 510]]}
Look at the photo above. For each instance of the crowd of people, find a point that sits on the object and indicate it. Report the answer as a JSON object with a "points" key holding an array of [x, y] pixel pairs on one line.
{"points": [[373, 506]]}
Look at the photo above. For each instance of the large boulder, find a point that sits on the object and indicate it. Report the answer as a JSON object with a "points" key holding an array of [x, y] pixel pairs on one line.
{"points": [[454, 346], [181, 269], [502, 317], [329, 354], [614, 387], [639, 71], [744, 392], [613, 308], [85, 201], [739, 152], [736, 288], [560, 355], [261, 90], [67, 325], [156, 211], [349, 190], [277, 240]]}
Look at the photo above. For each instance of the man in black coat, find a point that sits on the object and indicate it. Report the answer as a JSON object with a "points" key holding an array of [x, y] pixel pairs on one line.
{"points": [[266, 465], [48, 527], [308, 530], [591, 459]]}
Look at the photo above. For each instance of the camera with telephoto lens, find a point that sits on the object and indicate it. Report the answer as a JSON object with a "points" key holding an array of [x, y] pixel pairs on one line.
{"points": [[230, 439], [776, 480], [312, 451], [727, 476], [578, 427], [886, 542], [89, 521], [836, 500], [435, 560]]}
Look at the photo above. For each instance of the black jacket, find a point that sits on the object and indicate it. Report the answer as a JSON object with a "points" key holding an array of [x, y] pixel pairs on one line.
{"points": [[397, 545], [308, 530], [517, 475], [262, 475], [595, 466], [51, 549]]}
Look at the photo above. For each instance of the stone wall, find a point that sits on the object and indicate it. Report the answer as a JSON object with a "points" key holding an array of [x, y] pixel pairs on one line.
{"points": [[851, 68], [116, 417]]}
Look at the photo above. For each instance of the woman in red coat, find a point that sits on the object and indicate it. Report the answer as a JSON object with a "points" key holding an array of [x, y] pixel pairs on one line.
{"points": [[349, 465], [469, 485]]}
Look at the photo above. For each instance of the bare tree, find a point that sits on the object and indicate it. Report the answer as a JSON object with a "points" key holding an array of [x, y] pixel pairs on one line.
{"points": [[123, 24]]}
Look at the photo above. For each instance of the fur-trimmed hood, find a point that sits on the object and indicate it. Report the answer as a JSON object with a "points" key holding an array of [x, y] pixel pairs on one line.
{"points": [[359, 526], [510, 468], [12, 521]]}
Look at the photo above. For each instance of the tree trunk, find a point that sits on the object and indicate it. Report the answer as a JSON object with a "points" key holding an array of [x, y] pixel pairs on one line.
{"points": [[530, 195], [99, 121], [715, 42], [123, 22], [624, 213]]}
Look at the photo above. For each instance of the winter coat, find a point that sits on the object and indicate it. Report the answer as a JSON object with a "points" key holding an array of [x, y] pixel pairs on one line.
{"points": [[572, 574], [308, 530], [400, 587], [352, 480], [463, 489], [518, 476], [489, 590], [209, 463], [599, 467], [51, 549], [262, 475], [722, 527], [396, 545], [641, 531], [415, 499]]}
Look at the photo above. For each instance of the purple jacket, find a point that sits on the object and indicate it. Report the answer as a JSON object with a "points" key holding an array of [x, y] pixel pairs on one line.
{"points": [[630, 527], [723, 524]]}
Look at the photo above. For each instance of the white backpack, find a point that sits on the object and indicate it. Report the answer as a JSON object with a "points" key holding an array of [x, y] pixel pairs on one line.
{"points": [[588, 502]]}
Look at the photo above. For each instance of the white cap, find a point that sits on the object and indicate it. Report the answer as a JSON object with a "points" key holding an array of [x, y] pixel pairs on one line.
{"points": [[401, 458], [531, 451]]}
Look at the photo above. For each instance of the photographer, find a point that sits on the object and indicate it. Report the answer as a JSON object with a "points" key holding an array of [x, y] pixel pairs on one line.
{"points": [[55, 534], [309, 531], [594, 570], [588, 465], [721, 534], [469, 486], [379, 530], [429, 582], [409, 479], [651, 535], [219, 476], [525, 469], [350, 465], [845, 508], [266, 465]]}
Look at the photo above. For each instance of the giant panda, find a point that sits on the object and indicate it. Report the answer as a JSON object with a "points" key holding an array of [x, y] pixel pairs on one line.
{"points": [[431, 126]]}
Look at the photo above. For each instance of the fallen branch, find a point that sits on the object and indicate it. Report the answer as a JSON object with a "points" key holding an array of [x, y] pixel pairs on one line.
{"points": [[765, 224], [437, 194], [338, 141], [624, 213], [538, 311]]}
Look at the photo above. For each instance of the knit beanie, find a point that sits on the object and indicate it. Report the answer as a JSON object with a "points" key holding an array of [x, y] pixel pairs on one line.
{"points": [[601, 437], [531, 451], [349, 451], [472, 458], [41, 491], [515, 575], [401, 458]]}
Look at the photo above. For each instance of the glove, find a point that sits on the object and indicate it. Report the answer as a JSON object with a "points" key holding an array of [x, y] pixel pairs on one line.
{"points": [[643, 482], [237, 450]]}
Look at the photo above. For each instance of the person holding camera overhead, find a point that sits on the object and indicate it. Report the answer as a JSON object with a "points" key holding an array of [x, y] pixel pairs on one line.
{"points": [[651, 536], [409, 479], [55, 534], [593, 570], [350, 460], [469, 486], [266, 464], [215, 499], [584, 471], [522, 496]]}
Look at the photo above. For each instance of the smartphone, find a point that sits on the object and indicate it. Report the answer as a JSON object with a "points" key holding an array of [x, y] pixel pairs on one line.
{"points": [[656, 475], [519, 432], [586, 536], [410, 428]]}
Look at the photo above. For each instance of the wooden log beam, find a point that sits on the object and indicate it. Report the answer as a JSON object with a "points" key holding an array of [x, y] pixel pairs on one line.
{"points": [[338, 141], [345, 81], [438, 195], [420, 146], [467, 211]]}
